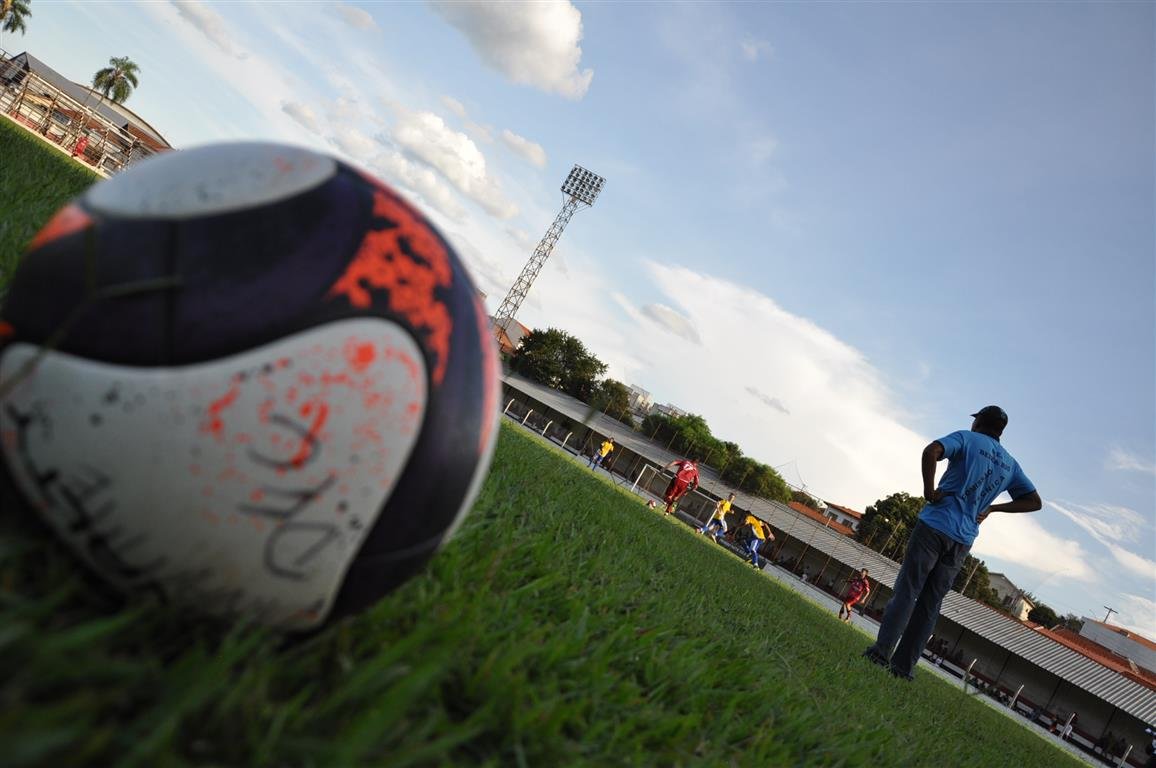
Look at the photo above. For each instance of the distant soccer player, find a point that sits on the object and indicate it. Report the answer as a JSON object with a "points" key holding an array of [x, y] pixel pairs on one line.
{"points": [[759, 533], [857, 589], [599, 457], [718, 519], [685, 480]]}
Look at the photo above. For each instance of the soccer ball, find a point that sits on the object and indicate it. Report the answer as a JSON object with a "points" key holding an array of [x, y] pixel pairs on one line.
{"points": [[247, 378]]}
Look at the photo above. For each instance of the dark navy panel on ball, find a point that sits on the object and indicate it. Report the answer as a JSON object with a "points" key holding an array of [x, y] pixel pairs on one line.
{"points": [[245, 278]]}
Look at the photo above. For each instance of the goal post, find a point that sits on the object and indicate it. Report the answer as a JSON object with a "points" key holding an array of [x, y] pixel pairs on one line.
{"points": [[653, 481]]}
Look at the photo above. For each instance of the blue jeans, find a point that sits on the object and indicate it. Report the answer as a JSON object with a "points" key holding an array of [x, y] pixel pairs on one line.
{"points": [[929, 568], [754, 545], [711, 525]]}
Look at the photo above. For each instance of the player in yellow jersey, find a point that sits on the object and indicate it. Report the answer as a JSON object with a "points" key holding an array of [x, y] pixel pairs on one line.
{"points": [[599, 457], [760, 532], [718, 519]]}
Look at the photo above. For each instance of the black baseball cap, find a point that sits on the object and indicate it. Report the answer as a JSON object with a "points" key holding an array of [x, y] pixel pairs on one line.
{"points": [[991, 414]]}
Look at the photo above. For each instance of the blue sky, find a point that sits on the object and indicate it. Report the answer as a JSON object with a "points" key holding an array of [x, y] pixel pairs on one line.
{"points": [[834, 230]]}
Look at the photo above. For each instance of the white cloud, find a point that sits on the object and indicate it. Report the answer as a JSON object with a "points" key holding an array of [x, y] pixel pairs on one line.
{"points": [[528, 149], [455, 106], [303, 114], [533, 44], [355, 144], [481, 132], [343, 110], [210, 24], [1120, 460], [427, 137], [767, 400], [762, 148], [397, 169], [1024, 540], [358, 18], [846, 431], [1107, 523], [1141, 566], [1113, 527], [1138, 614], [753, 50], [671, 321], [522, 238]]}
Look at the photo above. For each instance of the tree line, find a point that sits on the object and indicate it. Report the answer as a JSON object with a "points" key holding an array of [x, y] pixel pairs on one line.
{"points": [[558, 360]]}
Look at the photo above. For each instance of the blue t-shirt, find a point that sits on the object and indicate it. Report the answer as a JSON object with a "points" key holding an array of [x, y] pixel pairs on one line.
{"points": [[978, 470]]}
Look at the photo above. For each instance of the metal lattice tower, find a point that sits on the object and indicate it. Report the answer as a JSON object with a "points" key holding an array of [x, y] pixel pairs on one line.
{"points": [[581, 189]]}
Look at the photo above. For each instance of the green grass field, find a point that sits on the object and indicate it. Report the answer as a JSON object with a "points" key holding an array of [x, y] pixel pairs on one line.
{"points": [[35, 180], [565, 625]]}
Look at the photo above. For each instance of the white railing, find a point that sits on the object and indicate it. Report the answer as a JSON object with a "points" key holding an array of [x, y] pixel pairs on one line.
{"points": [[79, 128]]}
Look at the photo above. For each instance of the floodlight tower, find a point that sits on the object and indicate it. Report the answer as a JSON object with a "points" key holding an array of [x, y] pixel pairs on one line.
{"points": [[581, 188]]}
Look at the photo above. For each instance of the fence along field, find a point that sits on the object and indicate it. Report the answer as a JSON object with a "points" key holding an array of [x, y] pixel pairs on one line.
{"points": [[566, 624]]}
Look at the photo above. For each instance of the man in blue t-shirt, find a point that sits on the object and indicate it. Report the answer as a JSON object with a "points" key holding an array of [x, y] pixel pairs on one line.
{"points": [[978, 470]]}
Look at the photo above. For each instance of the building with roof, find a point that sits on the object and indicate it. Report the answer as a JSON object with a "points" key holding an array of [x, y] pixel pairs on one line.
{"points": [[640, 399], [843, 515], [1121, 642], [1078, 642], [510, 335], [669, 410], [72, 117], [1012, 597], [828, 520]]}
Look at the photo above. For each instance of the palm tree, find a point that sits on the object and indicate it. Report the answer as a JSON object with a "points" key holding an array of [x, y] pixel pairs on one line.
{"points": [[115, 81], [12, 15], [118, 79]]}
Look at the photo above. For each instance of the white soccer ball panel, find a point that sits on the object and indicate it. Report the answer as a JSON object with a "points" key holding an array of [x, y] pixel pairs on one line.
{"points": [[244, 485]]}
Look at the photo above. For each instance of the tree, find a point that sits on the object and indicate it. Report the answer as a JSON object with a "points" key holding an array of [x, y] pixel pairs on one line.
{"points": [[657, 427], [1072, 621], [613, 398], [560, 361], [754, 477], [886, 523], [770, 484], [973, 580], [13, 14], [117, 80], [804, 499], [1044, 615]]}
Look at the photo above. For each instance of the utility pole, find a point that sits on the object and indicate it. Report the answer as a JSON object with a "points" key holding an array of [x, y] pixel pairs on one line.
{"points": [[1109, 613]]}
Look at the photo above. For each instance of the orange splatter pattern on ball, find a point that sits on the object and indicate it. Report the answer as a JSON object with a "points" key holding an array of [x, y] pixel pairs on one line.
{"points": [[408, 261]]}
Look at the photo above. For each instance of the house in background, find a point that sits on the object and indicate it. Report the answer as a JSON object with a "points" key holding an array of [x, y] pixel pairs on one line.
{"points": [[827, 520], [843, 515], [1011, 596]]}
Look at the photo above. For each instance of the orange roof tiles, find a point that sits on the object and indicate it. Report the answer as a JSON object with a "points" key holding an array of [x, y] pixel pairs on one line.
{"points": [[806, 511], [1101, 655], [846, 510]]}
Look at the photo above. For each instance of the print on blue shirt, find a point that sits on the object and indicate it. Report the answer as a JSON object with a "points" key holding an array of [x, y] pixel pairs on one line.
{"points": [[978, 470]]}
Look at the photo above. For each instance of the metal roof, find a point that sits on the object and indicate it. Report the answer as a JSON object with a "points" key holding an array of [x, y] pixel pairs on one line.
{"points": [[1005, 631]]}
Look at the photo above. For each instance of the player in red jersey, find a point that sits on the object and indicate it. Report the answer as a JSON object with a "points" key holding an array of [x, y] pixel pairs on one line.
{"points": [[685, 480], [857, 589]]}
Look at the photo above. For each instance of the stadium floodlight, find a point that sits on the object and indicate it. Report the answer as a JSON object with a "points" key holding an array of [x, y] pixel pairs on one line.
{"points": [[581, 189], [583, 185]]}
